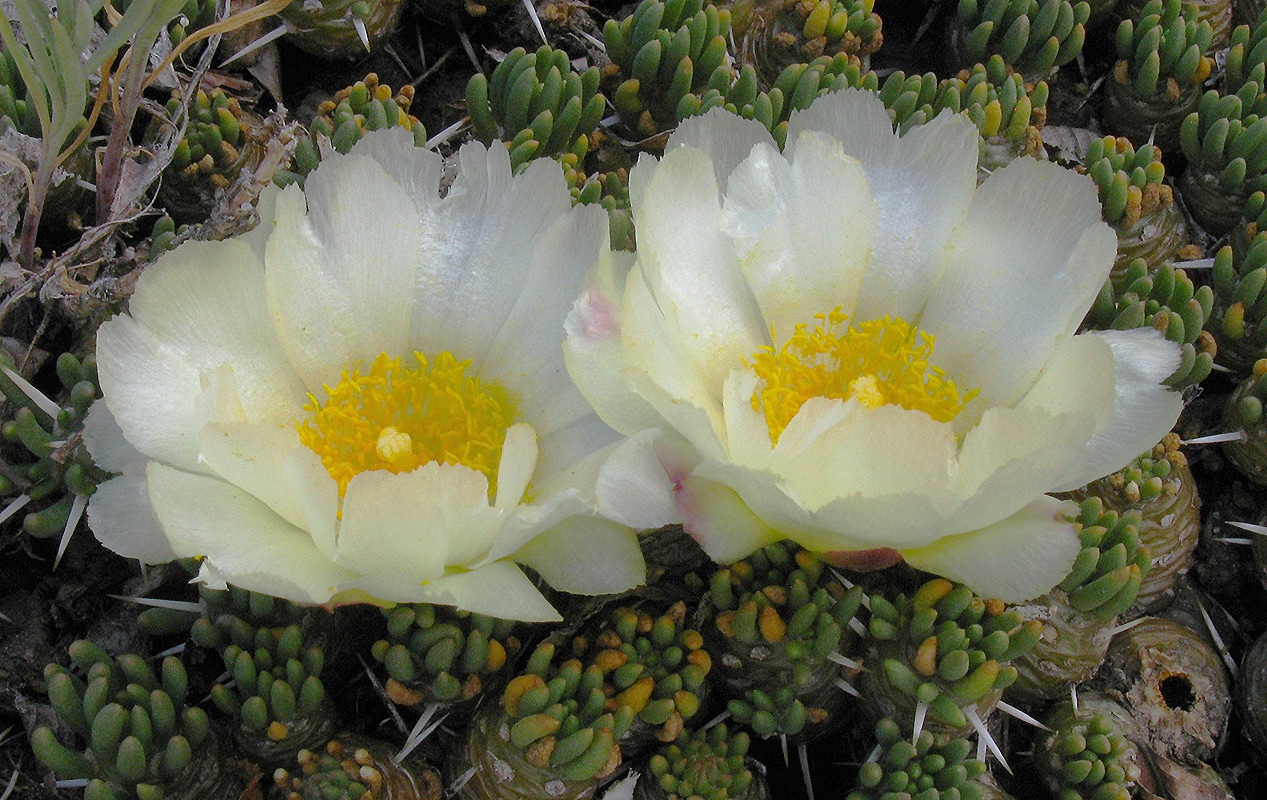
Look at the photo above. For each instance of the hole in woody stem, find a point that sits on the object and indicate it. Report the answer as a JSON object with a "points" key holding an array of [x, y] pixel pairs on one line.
{"points": [[1177, 693]]}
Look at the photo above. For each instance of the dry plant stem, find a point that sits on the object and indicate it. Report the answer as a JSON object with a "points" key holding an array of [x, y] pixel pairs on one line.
{"points": [[128, 102]]}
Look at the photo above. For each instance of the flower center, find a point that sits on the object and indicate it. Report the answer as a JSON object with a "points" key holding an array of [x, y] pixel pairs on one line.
{"points": [[877, 363], [398, 419]]}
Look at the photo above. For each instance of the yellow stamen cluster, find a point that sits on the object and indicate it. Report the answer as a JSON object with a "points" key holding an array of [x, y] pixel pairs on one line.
{"points": [[881, 362], [398, 419]]}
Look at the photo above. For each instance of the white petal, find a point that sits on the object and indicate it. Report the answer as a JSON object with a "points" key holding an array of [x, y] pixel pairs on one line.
{"points": [[633, 488], [479, 253], [803, 231], [716, 517], [591, 350], [204, 302], [525, 522], [123, 520], [416, 169], [869, 452], [725, 137], [269, 463], [922, 184], [338, 277], [416, 522], [563, 449], [518, 461], [1019, 276], [151, 391], [586, 556], [664, 374], [1143, 410], [105, 442], [248, 544], [1015, 560], [691, 268], [499, 589], [747, 432], [1012, 456], [527, 355]]}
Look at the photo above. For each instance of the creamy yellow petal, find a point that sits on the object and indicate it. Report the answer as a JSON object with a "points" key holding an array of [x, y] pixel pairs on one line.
{"points": [[585, 555]]}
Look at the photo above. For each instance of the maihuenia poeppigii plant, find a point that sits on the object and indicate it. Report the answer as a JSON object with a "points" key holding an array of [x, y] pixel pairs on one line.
{"points": [[276, 696], [340, 28], [1225, 143], [139, 738], [561, 728], [1244, 413], [1009, 113], [537, 104], [1136, 202], [216, 147], [1033, 36], [779, 623], [1083, 756], [1156, 83], [50, 475], [941, 655], [1240, 304], [774, 34], [1078, 614], [353, 767], [711, 764], [1159, 486], [1164, 299], [608, 189], [437, 654], [662, 52], [366, 105], [932, 767]]}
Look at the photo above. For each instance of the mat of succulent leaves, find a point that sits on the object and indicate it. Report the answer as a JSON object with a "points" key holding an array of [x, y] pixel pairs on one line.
{"points": [[773, 668]]}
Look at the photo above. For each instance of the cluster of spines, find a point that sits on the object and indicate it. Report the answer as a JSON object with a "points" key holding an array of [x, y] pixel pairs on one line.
{"points": [[661, 53], [933, 767], [1240, 288], [1155, 474], [50, 465], [366, 105], [1085, 757], [1107, 573], [993, 95], [947, 649], [439, 654], [1165, 299], [1130, 179], [348, 768], [276, 686], [780, 599], [1166, 48], [213, 138], [1032, 36], [710, 764], [140, 735], [537, 104]]}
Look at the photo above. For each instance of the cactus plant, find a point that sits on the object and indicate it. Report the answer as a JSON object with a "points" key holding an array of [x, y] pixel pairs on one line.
{"points": [[710, 764], [218, 144], [1164, 299], [537, 104], [932, 767], [341, 28], [774, 34], [1161, 65], [1083, 755], [352, 767], [1225, 142], [1033, 36], [1240, 304]]}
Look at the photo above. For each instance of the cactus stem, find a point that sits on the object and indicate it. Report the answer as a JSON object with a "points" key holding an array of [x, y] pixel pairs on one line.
{"points": [[985, 737], [1011, 710]]}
